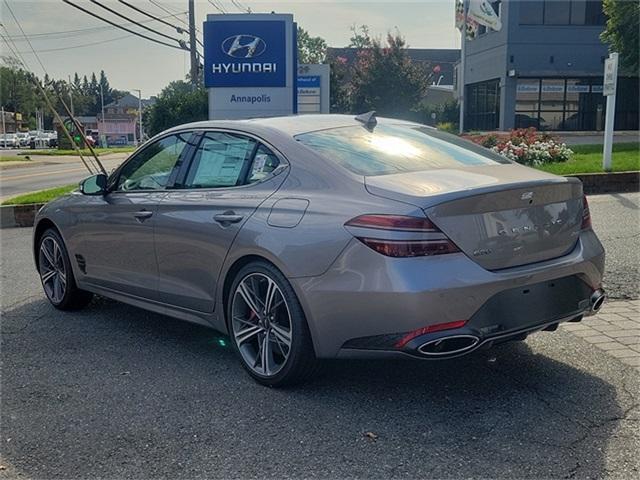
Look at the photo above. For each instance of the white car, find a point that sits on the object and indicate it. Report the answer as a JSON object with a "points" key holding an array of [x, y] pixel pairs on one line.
{"points": [[9, 140], [23, 139]]}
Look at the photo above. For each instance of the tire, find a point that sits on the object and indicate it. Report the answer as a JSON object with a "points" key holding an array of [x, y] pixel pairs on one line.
{"points": [[56, 274], [251, 330]]}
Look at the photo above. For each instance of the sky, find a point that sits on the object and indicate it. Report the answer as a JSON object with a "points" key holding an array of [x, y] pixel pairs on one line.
{"points": [[68, 40]]}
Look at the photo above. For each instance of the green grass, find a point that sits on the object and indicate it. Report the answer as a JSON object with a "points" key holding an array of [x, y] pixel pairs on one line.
{"points": [[84, 151], [13, 158], [42, 196], [588, 159]]}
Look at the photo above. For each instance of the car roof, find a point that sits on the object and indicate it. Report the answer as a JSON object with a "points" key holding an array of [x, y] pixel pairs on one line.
{"points": [[293, 124]]}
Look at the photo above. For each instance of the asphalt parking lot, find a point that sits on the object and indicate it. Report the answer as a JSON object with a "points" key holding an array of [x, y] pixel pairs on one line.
{"points": [[116, 392]]}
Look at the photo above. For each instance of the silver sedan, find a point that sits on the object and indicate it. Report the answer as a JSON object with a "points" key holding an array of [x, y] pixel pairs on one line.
{"points": [[325, 236]]}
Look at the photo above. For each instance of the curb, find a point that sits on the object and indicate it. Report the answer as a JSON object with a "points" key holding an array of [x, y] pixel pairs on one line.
{"points": [[592, 184], [19, 215], [598, 183]]}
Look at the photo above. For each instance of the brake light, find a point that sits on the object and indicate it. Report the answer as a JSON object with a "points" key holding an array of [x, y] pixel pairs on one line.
{"points": [[586, 214], [430, 329], [394, 222], [403, 248]]}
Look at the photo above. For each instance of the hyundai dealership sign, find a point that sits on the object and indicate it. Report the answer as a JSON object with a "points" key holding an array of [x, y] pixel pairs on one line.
{"points": [[250, 65]]}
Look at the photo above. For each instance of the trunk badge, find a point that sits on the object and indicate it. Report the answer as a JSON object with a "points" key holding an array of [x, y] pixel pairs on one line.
{"points": [[526, 196]]}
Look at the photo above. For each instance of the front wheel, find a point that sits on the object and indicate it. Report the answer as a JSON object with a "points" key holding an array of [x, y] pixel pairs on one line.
{"points": [[56, 274], [268, 327]]}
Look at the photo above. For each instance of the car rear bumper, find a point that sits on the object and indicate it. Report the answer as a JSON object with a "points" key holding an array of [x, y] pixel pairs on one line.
{"points": [[366, 302]]}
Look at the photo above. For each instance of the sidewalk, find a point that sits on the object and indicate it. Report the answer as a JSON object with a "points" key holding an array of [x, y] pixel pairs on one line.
{"points": [[616, 330]]}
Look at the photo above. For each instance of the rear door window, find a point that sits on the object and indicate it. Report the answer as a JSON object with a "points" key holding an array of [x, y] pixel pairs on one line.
{"points": [[222, 160], [396, 148]]}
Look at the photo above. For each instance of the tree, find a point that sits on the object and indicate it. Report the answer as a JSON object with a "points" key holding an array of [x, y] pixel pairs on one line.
{"points": [[360, 37], [385, 79], [622, 31], [178, 103], [310, 49]]}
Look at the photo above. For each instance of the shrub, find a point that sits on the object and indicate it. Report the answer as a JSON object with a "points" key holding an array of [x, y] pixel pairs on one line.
{"points": [[448, 127], [526, 146]]}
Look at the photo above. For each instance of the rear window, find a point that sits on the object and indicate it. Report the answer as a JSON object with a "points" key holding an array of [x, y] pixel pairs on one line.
{"points": [[396, 149]]}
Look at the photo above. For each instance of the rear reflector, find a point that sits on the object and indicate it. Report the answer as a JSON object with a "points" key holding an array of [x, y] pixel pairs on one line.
{"points": [[403, 248], [586, 214], [430, 329]]}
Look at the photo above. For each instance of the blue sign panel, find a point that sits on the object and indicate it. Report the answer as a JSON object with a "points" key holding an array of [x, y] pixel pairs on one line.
{"points": [[245, 53], [308, 81]]}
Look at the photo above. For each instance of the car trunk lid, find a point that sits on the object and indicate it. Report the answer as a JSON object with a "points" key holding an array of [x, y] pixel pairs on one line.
{"points": [[500, 216]]}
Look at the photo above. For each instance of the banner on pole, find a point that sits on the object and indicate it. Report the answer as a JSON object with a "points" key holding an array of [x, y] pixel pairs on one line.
{"points": [[483, 13], [480, 12]]}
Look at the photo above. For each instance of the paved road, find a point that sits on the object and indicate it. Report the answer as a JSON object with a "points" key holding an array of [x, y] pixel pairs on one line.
{"points": [[54, 172], [116, 392], [616, 220]]}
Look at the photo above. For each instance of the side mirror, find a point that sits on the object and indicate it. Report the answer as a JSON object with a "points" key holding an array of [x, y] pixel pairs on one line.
{"points": [[94, 185]]}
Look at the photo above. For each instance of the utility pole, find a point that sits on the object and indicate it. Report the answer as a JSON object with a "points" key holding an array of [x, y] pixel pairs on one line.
{"points": [[139, 110], [71, 97], [101, 131], [4, 130], [192, 43]]}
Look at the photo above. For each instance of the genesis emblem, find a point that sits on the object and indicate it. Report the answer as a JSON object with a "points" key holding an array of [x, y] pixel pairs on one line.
{"points": [[526, 196], [244, 46]]}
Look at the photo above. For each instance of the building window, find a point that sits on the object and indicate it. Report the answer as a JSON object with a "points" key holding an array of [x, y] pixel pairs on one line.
{"points": [[557, 12], [531, 12], [561, 12], [483, 105], [573, 104]]}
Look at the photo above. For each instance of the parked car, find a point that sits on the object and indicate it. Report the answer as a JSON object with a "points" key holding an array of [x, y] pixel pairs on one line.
{"points": [[9, 140], [23, 139], [327, 236]]}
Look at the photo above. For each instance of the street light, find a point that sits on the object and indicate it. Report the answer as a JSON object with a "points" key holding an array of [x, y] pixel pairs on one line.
{"points": [[139, 112]]}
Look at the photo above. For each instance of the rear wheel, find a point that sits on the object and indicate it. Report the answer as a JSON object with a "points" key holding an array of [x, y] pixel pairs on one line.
{"points": [[268, 327], [56, 274]]}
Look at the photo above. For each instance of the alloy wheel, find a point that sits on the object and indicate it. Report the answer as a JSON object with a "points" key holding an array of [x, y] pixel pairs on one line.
{"points": [[261, 324], [52, 270]]}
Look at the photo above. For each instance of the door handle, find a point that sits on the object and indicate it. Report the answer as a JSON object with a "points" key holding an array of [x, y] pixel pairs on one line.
{"points": [[142, 215], [228, 217]]}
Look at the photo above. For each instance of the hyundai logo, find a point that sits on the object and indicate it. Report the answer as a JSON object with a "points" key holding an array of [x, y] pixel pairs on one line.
{"points": [[244, 46]]}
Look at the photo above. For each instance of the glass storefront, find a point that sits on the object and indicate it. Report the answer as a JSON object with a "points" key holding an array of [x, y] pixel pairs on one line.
{"points": [[573, 104]]}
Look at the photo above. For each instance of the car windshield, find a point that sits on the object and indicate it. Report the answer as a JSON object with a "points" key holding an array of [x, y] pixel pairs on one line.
{"points": [[396, 149]]}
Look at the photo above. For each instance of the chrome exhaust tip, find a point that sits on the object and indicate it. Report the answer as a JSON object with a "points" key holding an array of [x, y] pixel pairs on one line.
{"points": [[597, 300], [454, 344]]}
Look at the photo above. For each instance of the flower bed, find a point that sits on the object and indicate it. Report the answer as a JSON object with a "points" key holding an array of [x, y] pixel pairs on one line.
{"points": [[526, 146]]}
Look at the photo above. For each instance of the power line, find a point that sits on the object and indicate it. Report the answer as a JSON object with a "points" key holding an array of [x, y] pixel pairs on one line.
{"points": [[123, 28], [95, 162], [166, 10], [47, 50], [77, 32], [240, 7], [217, 7], [178, 29], [118, 14]]}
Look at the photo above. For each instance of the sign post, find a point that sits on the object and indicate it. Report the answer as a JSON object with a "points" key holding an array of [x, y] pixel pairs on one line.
{"points": [[609, 90]]}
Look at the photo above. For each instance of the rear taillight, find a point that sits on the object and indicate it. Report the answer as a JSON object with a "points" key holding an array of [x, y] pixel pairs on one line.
{"points": [[417, 247], [586, 214]]}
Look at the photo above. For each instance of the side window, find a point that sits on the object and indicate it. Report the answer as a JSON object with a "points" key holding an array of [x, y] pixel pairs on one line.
{"points": [[221, 160], [264, 162], [150, 169]]}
